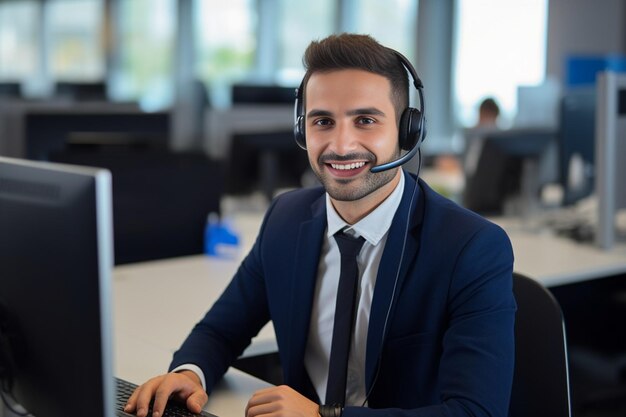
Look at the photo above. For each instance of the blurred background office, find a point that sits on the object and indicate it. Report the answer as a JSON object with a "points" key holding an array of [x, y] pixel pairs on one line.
{"points": [[221, 75], [190, 104]]}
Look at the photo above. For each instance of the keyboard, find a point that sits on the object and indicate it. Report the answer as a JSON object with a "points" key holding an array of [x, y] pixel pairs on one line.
{"points": [[124, 389]]}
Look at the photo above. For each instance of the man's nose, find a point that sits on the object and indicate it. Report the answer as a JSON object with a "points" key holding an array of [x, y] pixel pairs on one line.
{"points": [[344, 141]]}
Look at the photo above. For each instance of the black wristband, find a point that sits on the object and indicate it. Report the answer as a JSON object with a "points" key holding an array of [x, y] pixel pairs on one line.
{"points": [[333, 410]]}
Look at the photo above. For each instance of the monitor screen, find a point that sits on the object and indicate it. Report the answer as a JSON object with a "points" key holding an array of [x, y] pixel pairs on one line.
{"points": [[55, 262], [499, 175], [577, 144]]}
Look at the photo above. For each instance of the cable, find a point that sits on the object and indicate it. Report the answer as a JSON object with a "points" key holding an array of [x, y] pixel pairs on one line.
{"points": [[395, 284]]}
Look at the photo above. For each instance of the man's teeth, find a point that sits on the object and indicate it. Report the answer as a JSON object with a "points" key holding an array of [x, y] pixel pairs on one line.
{"points": [[354, 165]]}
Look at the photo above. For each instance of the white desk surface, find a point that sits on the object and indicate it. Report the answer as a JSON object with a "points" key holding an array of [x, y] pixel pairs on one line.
{"points": [[137, 361], [554, 260], [157, 303]]}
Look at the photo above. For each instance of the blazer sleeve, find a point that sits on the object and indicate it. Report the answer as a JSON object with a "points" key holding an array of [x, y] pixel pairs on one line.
{"points": [[229, 326], [477, 361]]}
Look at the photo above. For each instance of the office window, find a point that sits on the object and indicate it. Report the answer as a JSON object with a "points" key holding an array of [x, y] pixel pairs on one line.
{"points": [[393, 23], [500, 44], [75, 39], [147, 35], [300, 23], [19, 29], [225, 34]]}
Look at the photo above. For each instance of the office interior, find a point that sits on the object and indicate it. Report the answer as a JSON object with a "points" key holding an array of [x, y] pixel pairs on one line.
{"points": [[189, 103]]}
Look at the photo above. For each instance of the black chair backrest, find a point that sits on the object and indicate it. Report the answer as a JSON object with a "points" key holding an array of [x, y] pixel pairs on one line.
{"points": [[541, 380]]}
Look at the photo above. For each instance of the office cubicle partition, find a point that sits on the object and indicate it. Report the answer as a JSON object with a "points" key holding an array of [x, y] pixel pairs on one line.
{"points": [[55, 130]]}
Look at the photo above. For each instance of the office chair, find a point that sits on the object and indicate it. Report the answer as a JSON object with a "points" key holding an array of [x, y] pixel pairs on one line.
{"points": [[541, 379]]}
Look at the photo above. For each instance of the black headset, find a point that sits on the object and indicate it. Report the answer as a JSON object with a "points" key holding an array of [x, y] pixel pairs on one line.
{"points": [[412, 127]]}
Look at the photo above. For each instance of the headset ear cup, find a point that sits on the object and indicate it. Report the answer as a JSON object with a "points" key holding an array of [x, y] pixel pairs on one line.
{"points": [[403, 129], [409, 130], [298, 132]]}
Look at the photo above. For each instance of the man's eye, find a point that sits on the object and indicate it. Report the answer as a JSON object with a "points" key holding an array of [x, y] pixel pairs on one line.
{"points": [[366, 120], [323, 122]]}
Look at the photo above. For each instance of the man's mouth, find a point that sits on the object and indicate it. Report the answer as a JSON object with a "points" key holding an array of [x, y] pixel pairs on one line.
{"points": [[345, 167]]}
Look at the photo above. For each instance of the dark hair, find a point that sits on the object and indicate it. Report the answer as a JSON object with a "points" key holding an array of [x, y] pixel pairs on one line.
{"points": [[351, 51], [489, 105]]}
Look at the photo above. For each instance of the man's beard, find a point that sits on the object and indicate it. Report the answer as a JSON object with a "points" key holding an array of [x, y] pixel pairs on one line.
{"points": [[351, 189]]}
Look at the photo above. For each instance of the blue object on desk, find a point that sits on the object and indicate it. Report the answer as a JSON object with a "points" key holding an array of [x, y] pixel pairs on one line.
{"points": [[219, 238]]}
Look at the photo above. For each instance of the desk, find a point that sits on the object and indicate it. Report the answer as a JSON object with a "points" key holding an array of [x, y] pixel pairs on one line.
{"points": [[554, 260], [138, 360], [155, 306], [157, 302]]}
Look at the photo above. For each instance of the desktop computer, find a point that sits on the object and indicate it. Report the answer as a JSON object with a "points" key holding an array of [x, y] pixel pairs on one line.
{"points": [[508, 175], [56, 259]]}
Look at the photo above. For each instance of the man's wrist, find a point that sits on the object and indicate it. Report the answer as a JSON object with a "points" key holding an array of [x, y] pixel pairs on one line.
{"points": [[332, 410]]}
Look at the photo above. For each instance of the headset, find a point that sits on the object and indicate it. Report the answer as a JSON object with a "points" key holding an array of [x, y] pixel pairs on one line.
{"points": [[412, 126]]}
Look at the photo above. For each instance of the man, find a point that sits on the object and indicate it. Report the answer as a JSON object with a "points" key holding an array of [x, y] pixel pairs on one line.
{"points": [[488, 113], [432, 332]]}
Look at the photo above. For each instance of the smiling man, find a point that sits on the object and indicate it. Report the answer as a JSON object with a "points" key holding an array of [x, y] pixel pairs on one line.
{"points": [[385, 297], [350, 126]]}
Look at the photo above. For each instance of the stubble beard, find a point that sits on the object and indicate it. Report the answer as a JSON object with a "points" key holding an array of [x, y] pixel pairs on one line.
{"points": [[352, 189]]}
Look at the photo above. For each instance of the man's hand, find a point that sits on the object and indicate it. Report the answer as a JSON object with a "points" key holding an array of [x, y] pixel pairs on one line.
{"points": [[281, 401], [182, 386]]}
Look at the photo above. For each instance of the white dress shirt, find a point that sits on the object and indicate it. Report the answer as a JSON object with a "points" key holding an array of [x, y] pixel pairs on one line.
{"points": [[374, 229]]}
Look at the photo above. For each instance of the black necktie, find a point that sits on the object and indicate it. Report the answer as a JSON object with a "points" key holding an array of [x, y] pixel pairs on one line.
{"points": [[349, 247]]}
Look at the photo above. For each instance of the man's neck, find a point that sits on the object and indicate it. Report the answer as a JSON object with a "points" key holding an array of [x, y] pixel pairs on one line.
{"points": [[353, 211]]}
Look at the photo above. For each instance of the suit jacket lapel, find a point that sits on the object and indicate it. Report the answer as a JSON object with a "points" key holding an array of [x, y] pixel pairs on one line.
{"points": [[388, 269], [309, 241]]}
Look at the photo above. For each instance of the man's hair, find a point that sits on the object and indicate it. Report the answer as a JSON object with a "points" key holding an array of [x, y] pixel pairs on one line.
{"points": [[490, 106], [351, 51]]}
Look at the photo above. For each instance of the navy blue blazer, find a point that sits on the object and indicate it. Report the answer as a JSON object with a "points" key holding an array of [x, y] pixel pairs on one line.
{"points": [[449, 347]]}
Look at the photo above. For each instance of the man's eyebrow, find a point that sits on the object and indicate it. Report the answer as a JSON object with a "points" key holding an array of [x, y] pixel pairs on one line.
{"points": [[317, 113], [372, 111]]}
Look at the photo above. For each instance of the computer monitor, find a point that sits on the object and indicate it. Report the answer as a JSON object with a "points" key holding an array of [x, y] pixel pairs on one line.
{"points": [[56, 258], [50, 131], [508, 170], [262, 94], [610, 155], [10, 90], [82, 91], [576, 144]]}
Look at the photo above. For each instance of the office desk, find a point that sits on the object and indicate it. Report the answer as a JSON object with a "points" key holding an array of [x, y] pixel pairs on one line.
{"points": [[554, 260], [156, 304], [159, 302], [138, 360]]}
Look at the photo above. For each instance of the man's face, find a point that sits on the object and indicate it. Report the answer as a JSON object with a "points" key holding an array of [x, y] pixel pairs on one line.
{"points": [[350, 127]]}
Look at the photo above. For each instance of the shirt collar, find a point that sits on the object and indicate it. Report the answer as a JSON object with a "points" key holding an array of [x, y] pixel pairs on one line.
{"points": [[373, 226]]}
